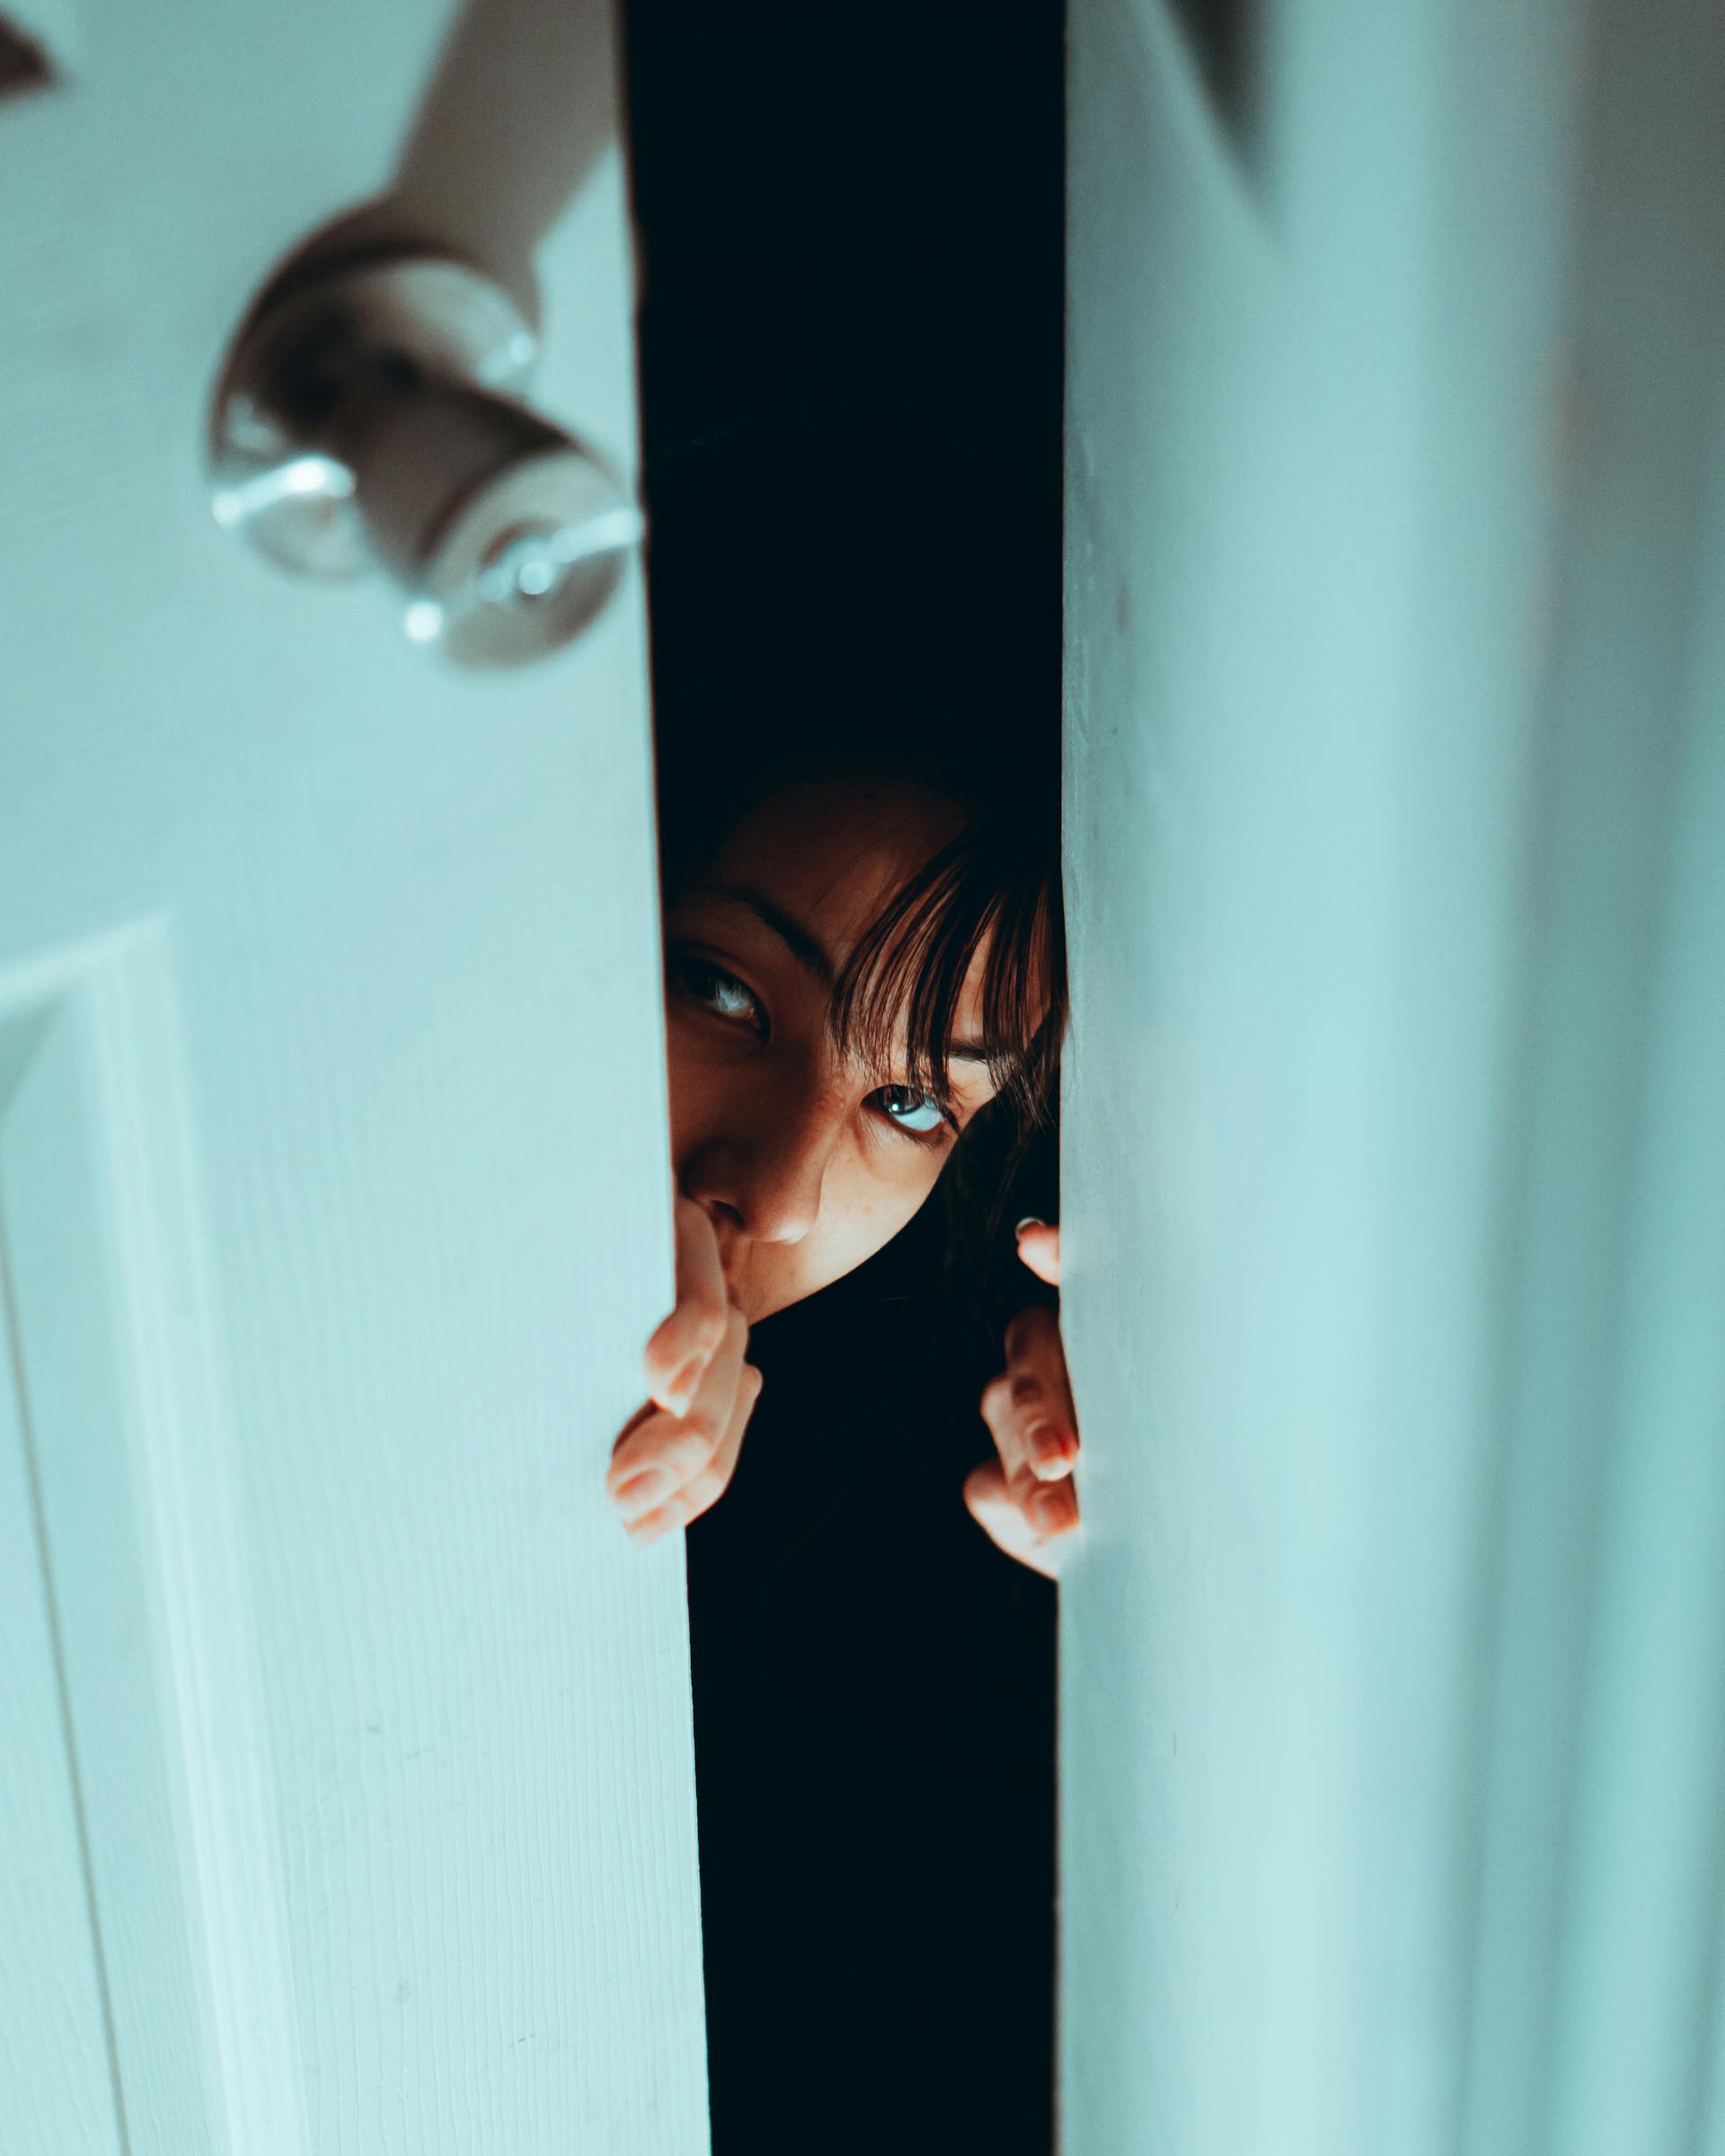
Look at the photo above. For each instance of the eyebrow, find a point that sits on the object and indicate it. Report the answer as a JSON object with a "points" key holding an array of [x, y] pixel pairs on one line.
{"points": [[812, 955], [804, 946]]}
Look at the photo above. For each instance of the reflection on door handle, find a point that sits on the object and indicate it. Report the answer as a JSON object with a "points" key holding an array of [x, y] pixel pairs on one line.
{"points": [[363, 422]]}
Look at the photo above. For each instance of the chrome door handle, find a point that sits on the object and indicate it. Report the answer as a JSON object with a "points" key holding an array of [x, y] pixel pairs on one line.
{"points": [[363, 422]]}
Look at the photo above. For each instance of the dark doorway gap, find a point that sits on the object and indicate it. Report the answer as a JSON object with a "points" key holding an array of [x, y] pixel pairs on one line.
{"points": [[853, 217]]}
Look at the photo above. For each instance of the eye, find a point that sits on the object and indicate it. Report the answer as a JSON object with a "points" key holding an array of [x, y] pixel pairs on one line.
{"points": [[918, 1114], [717, 991]]}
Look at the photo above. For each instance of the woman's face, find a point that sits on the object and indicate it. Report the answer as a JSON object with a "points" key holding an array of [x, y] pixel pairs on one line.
{"points": [[806, 1164]]}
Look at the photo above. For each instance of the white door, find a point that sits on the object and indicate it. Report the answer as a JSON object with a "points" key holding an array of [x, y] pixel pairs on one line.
{"points": [[346, 1776], [1392, 1771]]}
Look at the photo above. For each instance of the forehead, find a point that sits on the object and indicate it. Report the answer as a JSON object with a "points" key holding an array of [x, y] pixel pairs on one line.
{"points": [[832, 853], [836, 851]]}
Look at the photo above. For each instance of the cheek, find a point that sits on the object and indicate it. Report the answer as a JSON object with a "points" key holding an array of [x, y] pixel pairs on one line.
{"points": [[863, 1205], [698, 1088], [883, 1183]]}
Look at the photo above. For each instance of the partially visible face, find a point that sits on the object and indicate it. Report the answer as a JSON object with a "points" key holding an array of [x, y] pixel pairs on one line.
{"points": [[806, 1164]]}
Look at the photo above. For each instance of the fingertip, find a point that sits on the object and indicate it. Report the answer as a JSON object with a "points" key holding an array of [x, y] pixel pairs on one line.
{"points": [[677, 1396], [643, 1486], [1052, 1509], [665, 1386], [1045, 1447]]}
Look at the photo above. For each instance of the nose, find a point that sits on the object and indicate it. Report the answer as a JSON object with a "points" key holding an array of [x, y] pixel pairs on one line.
{"points": [[767, 1178]]}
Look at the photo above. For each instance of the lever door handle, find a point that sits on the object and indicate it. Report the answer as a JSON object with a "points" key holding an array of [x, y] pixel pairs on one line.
{"points": [[364, 422]]}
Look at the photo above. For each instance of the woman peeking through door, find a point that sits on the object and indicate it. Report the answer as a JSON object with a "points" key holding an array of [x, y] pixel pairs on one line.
{"points": [[859, 773]]}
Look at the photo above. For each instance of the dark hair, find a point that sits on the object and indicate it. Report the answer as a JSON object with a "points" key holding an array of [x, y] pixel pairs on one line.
{"points": [[866, 603]]}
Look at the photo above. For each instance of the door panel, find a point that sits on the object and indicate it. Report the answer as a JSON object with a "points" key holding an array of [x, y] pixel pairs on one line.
{"points": [[55, 2087], [334, 1180], [69, 1356]]}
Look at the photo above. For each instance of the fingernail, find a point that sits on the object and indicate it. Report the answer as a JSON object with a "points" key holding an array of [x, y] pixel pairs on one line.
{"points": [[1030, 1220], [1046, 1448], [644, 1490]]}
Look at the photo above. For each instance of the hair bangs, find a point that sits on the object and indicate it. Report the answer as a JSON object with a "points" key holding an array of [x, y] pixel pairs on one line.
{"points": [[896, 1004]]}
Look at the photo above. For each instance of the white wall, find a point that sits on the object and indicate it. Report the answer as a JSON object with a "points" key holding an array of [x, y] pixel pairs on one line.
{"points": [[1393, 1200]]}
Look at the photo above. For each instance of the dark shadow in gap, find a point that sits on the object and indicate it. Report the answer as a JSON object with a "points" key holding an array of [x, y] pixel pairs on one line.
{"points": [[852, 229]]}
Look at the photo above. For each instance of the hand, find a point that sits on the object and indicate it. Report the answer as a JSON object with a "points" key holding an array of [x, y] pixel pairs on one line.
{"points": [[1024, 1501], [676, 1457]]}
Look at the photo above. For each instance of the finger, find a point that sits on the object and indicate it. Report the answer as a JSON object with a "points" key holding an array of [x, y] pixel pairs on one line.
{"points": [[682, 1348], [1038, 1393], [705, 1489], [1014, 1531], [1002, 1420], [1041, 1514], [986, 1499], [653, 1458], [1038, 1245]]}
